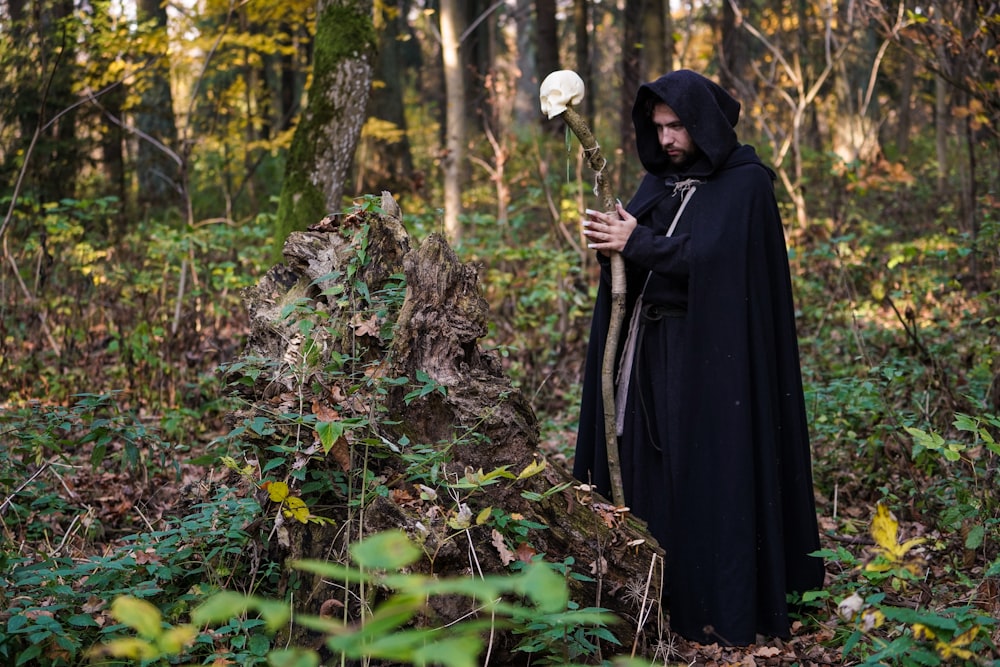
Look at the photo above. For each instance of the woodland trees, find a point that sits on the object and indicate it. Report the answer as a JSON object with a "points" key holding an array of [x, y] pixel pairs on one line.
{"points": [[221, 84], [144, 148]]}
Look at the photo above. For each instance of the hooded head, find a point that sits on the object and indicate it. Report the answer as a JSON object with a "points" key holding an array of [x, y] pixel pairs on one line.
{"points": [[708, 112]]}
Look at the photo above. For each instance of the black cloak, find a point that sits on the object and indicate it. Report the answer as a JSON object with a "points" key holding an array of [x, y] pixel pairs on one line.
{"points": [[715, 448]]}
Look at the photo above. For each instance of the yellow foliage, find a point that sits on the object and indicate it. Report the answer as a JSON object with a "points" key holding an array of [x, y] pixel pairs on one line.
{"points": [[532, 468], [885, 532], [277, 491], [128, 647], [953, 649], [296, 508], [139, 615], [174, 640]]}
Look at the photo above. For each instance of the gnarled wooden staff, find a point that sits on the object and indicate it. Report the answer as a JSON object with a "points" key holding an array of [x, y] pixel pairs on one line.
{"points": [[558, 92]]}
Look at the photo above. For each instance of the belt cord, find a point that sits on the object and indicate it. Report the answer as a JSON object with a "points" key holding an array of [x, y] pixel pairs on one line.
{"points": [[627, 360]]}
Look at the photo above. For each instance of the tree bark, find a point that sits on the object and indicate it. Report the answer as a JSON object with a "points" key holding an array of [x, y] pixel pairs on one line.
{"points": [[632, 74], [474, 421], [156, 170], [546, 38], [581, 29], [328, 131], [657, 38], [385, 161]]}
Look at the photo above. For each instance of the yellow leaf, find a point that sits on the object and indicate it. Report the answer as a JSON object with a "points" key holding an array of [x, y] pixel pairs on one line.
{"points": [[139, 615], [130, 647], [885, 532], [532, 468], [173, 641], [277, 491], [296, 508], [871, 619], [921, 631], [885, 528], [966, 637], [946, 651], [484, 516]]}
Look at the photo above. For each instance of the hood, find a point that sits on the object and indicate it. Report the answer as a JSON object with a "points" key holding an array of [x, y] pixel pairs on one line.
{"points": [[708, 112]]}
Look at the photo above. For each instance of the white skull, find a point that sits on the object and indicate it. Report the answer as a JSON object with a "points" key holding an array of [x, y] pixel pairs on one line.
{"points": [[559, 90]]}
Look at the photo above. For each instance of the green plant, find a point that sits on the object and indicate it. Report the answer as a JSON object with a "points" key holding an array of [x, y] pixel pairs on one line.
{"points": [[533, 602], [56, 606], [879, 632]]}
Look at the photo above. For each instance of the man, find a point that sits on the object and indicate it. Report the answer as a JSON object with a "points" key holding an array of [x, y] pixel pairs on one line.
{"points": [[713, 439]]}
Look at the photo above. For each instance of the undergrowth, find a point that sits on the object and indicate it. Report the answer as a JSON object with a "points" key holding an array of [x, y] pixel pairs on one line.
{"points": [[119, 476]]}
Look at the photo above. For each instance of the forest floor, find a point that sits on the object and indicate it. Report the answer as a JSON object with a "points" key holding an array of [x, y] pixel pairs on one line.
{"points": [[121, 504]]}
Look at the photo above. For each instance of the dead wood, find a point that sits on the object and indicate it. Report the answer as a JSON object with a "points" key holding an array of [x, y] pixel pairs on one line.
{"points": [[338, 351]]}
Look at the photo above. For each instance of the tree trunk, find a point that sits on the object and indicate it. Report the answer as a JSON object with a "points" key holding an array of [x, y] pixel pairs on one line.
{"points": [[942, 128], [632, 74], [546, 38], [157, 170], [526, 104], [289, 86], [657, 38], [443, 415], [546, 52], [904, 120], [581, 29], [385, 161], [328, 131], [455, 132]]}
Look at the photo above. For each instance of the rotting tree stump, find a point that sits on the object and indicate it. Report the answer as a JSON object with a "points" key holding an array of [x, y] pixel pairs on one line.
{"points": [[332, 338]]}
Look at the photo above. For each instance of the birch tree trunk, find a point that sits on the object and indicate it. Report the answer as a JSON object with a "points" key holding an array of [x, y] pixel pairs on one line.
{"points": [[454, 150]]}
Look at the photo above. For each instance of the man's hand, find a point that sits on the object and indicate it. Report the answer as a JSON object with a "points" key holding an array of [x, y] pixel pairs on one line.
{"points": [[608, 232]]}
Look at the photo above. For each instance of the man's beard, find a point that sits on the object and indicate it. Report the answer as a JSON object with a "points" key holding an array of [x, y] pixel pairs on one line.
{"points": [[683, 159]]}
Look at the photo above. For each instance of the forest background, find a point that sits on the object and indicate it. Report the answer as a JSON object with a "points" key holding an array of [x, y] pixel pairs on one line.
{"points": [[148, 155]]}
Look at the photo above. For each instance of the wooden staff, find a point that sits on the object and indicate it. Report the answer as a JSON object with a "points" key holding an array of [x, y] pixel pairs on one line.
{"points": [[599, 164]]}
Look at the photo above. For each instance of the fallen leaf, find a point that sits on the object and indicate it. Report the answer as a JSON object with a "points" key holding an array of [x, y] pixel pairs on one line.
{"points": [[525, 552], [324, 412], [506, 555], [365, 326]]}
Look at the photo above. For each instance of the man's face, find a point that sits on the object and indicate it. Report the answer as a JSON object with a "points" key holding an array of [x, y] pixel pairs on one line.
{"points": [[673, 136]]}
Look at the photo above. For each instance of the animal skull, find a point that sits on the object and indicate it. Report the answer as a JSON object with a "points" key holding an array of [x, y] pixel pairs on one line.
{"points": [[559, 90]]}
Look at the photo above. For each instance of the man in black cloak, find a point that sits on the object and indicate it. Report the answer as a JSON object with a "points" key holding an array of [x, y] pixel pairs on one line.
{"points": [[713, 442]]}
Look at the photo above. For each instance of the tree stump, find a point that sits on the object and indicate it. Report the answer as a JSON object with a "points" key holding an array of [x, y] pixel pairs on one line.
{"points": [[419, 409]]}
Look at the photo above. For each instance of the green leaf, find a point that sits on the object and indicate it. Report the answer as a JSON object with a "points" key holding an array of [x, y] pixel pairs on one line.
{"points": [[389, 550], [219, 608], [974, 539], [333, 571], [275, 613], [329, 433], [17, 622], [82, 621], [461, 651], [931, 441], [29, 654], [381, 636], [293, 657], [544, 587]]}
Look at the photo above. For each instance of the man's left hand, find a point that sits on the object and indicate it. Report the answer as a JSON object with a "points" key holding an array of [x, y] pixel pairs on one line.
{"points": [[608, 232]]}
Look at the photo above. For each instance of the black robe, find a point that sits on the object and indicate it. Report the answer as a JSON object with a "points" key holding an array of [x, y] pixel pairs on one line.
{"points": [[715, 448]]}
